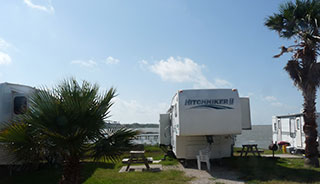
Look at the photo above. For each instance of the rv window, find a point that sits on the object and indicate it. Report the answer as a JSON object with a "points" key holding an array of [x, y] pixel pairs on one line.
{"points": [[20, 104], [275, 127], [298, 124]]}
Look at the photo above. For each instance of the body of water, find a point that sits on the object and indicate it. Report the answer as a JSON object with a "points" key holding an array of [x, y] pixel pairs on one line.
{"points": [[148, 130], [260, 134]]}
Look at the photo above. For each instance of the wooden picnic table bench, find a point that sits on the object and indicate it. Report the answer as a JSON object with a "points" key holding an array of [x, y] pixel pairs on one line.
{"points": [[137, 157], [250, 148]]}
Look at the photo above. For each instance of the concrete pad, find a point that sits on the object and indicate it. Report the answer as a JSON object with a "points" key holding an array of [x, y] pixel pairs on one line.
{"points": [[283, 156], [142, 168], [126, 160], [156, 161]]}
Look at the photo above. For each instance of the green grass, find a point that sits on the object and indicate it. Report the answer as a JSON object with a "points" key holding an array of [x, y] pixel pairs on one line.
{"points": [[48, 176], [99, 173], [269, 170], [105, 173], [107, 176], [252, 169]]}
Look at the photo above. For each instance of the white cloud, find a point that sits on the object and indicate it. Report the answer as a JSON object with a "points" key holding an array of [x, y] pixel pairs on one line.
{"points": [[222, 83], [49, 8], [251, 94], [111, 60], [177, 70], [143, 64], [184, 70], [4, 45], [89, 64], [270, 98], [277, 104], [93, 63], [133, 111], [5, 59], [273, 101]]}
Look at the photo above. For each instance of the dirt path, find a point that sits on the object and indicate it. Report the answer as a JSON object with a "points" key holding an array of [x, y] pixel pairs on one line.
{"points": [[217, 175]]}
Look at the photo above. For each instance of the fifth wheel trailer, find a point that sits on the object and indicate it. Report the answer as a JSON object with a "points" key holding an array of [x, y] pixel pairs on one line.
{"points": [[13, 102], [289, 128], [197, 114]]}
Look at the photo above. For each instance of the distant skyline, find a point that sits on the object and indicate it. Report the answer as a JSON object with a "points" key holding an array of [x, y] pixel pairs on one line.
{"points": [[148, 50]]}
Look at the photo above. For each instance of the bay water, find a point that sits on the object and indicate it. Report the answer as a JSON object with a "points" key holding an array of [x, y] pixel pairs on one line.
{"points": [[259, 134]]}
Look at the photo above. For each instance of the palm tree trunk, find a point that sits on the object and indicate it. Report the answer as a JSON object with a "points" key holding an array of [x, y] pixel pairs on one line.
{"points": [[310, 126], [71, 171]]}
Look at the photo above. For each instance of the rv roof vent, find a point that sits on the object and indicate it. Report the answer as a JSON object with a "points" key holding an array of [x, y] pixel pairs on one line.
{"points": [[234, 89]]}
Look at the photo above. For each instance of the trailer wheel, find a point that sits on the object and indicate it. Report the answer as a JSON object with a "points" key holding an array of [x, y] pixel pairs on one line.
{"points": [[300, 151], [293, 152]]}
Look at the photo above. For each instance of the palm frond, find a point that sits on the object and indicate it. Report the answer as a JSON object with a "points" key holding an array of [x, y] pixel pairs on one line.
{"points": [[296, 19], [61, 121], [295, 72], [23, 142], [112, 144], [315, 74]]}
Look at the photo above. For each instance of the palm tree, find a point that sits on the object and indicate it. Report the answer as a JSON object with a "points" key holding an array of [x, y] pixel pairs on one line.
{"points": [[66, 124], [300, 21]]}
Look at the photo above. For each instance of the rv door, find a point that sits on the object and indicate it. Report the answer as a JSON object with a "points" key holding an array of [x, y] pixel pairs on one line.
{"points": [[299, 132], [292, 128], [245, 113], [279, 130], [165, 129]]}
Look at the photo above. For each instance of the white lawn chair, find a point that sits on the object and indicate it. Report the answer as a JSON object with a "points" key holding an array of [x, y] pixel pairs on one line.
{"points": [[204, 156]]}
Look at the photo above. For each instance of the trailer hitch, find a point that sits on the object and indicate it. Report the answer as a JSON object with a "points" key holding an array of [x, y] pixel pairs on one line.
{"points": [[168, 151]]}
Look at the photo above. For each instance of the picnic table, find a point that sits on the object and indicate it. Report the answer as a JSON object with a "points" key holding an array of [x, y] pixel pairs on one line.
{"points": [[137, 157], [250, 148]]}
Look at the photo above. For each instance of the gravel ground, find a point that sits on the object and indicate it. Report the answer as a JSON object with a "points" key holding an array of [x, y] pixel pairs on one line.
{"points": [[217, 175]]}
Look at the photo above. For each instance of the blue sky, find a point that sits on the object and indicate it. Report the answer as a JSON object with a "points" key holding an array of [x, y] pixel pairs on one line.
{"points": [[148, 50]]}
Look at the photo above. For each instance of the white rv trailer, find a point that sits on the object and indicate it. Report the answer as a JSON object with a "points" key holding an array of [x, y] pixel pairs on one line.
{"points": [[289, 128], [13, 102], [196, 114]]}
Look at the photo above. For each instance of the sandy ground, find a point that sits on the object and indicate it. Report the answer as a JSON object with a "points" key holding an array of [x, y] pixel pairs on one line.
{"points": [[217, 175]]}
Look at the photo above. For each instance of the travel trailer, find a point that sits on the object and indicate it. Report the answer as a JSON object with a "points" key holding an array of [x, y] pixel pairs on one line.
{"points": [[289, 128], [202, 118], [13, 102]]}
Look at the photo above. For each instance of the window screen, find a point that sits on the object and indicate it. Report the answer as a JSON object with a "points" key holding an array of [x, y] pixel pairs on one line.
{"points": [[20, 104]]}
